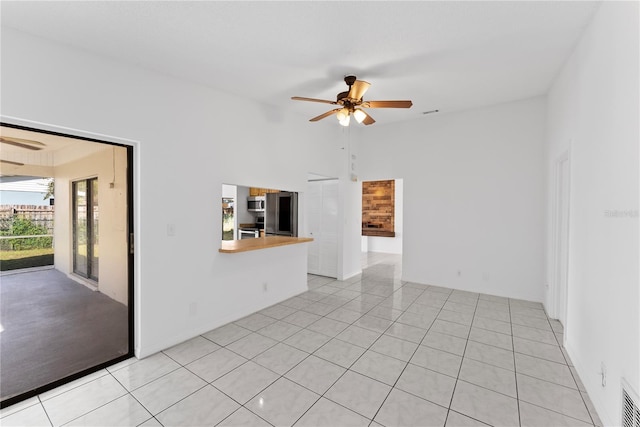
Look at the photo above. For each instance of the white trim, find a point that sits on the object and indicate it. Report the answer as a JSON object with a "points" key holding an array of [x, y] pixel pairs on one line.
{"points": [[563, 160], [65, 130]]}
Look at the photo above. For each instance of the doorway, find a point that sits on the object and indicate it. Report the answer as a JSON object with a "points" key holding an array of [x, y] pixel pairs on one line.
{"points": [[57, 323], [561, 238], [382, 217]]}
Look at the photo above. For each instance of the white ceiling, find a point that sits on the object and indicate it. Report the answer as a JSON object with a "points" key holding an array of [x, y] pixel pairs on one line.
{"points": [[55, 151], [446, 55]]}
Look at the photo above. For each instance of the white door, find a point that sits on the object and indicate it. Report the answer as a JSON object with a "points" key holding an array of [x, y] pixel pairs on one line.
{"points": [[322, 217], [313, 203]]}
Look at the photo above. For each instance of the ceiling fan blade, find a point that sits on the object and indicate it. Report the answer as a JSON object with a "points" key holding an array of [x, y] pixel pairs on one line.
{"points": [[387, 104], [22, 143], [301, 98], [327, 114], [9, 162], [358, 89], [368, 120]]}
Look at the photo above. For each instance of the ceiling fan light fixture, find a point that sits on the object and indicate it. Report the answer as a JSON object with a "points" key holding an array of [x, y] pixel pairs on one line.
{"points": [[359, 115], [345, 121], [342, 114]]}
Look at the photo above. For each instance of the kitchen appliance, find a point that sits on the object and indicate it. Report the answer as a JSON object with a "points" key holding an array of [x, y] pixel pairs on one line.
{"points": [[281, 216], [251, 231], [256, 203], [248, 233]]}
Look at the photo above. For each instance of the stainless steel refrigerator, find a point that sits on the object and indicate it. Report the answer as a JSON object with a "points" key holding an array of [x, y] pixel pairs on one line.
{"points": [[281, 214]]}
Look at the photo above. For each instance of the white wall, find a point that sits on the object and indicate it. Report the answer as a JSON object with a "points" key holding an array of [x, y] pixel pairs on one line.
{"points": [[473, 196], [112, 206], [389, 245], [593, 111], [350, 206], [229, 191], [183, 285]]}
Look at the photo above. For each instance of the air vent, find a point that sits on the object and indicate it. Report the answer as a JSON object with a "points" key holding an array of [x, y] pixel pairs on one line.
{"points": [[630, 409]]}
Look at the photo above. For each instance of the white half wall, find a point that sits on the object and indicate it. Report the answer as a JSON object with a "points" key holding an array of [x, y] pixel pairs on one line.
{"points": [[188, 139], [593, 113], [474, 201]]}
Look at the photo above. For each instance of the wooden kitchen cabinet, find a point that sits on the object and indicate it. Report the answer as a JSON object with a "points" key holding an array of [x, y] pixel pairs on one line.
{"points": [[255, 191]]}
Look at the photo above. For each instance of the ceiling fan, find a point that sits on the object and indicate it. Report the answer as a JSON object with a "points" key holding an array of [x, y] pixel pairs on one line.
{"points": [[352, 104], [9, 162], [22, 143]]}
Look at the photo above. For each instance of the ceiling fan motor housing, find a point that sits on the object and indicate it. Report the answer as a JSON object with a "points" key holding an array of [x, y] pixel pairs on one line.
{"points": [[341, 96], [350, 80]]}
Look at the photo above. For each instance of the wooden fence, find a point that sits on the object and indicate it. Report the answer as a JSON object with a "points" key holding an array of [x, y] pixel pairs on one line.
{"points": [[41, 217]]}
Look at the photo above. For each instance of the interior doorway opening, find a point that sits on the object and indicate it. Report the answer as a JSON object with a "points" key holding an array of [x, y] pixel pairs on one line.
{"points": [[76, 316], [382, 217]]}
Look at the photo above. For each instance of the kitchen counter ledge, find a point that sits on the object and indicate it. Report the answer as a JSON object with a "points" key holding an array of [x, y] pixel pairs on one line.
{"points": [[244, 245]]}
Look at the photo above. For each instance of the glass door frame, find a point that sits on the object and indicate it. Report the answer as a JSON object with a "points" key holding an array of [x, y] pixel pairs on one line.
{"points": [[90, 236], [130, 268]]}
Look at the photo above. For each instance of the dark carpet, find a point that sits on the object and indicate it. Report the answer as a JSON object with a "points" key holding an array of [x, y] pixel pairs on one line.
{"points": [[54, 327]]}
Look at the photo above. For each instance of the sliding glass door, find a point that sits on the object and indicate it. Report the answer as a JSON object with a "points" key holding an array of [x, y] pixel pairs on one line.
{"points": [[85, 228]]}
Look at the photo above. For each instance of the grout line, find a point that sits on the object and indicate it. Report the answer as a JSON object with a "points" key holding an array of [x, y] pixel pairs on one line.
{"points": [[461, 362], [301, 361], [408, 362], [515, 367], [571, 371], [356, 360], [44, 409]]}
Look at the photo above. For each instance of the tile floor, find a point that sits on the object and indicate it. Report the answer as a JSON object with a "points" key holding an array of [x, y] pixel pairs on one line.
{"points": [[370, 351]]}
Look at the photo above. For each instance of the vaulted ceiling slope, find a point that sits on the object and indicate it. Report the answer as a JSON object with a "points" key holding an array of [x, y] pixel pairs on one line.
{"points": [[445, 55]]}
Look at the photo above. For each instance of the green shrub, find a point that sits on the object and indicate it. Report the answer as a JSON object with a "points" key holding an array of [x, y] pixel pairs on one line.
{"points": [[26, 227]]}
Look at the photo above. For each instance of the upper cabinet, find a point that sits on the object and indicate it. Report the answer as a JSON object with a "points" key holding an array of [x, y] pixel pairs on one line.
{"points": [[254, 191]]}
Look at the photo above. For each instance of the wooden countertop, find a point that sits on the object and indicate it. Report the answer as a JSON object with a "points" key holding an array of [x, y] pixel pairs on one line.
{"points": [[244, 245]]}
